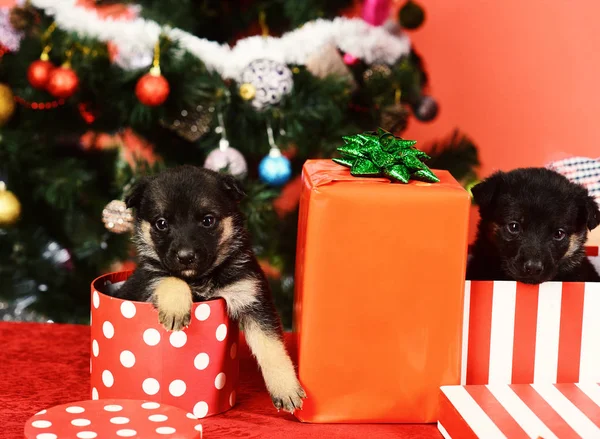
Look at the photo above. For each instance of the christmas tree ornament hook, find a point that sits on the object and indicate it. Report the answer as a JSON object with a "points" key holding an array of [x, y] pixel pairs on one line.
{"points": [[274, 151], [224, 142]]}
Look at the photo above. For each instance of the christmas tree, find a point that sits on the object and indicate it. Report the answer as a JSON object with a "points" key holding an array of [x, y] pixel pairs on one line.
{"points": [[94, 94]]}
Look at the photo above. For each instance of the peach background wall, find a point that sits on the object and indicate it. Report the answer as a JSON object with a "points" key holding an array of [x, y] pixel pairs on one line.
{"points": [[520, 77]]}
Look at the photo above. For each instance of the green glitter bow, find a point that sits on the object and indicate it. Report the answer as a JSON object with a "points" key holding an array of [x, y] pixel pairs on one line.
{"points": [[382, 154]]}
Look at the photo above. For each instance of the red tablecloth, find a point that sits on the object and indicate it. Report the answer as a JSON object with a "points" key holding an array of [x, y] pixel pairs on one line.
{"points": [[42, 365]]}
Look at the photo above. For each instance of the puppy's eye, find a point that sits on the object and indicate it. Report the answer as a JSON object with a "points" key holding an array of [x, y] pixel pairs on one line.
{"points": [[208, 221], [559, 235], [161, 224], [513, 227]]}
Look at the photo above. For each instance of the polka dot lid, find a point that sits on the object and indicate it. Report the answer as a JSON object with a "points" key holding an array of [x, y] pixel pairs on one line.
{"points": [[134, 357], [113, 418]]}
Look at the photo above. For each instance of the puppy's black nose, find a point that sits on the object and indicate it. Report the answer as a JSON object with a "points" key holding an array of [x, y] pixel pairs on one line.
{"points": [[186, 256], [533, 267]]}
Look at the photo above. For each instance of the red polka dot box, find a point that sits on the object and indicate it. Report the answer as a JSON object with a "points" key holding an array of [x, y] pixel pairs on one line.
{"points": [[113, 418], [134, 357]]}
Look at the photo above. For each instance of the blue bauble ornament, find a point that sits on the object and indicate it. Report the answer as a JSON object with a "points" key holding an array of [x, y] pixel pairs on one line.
{"points": [[275, 169]]}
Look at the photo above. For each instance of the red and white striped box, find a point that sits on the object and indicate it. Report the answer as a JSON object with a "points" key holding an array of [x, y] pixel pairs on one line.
{"points": [[520, 334], [548, 411]]}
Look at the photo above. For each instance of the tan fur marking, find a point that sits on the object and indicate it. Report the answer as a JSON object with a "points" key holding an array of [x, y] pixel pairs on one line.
{"points": [[173, 299], [575, 243], [276, 366], [145, 228], [227, 226], [145, 245], [239, 295], [226, 234]]}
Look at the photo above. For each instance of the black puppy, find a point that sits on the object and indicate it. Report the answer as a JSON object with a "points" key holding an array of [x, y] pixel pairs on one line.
{"points": [[533, 228], [192, 246]]}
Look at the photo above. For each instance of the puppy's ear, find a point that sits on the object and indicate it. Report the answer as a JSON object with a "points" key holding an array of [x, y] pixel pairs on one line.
{"points": [[591, 213], [134, 197], [485, 192], [233, 187]]}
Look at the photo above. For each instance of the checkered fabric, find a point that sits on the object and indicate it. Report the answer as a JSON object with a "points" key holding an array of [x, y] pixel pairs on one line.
{"points": [[582, 170]]}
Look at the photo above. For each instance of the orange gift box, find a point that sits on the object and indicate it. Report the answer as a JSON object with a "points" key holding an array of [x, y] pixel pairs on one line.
{"points": [[380, 278]]}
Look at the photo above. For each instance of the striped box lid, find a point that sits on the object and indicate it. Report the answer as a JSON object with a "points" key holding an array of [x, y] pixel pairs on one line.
{"points": [[547, 411]]}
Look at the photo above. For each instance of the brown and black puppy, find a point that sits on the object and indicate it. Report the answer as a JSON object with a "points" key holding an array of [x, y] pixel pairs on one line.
{"points": [[192, 246], [533, 228]]}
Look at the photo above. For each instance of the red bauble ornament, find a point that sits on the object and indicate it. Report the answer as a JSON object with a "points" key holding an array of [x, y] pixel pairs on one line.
{"points": [[152, 89], [63, 82], [38, 73]]}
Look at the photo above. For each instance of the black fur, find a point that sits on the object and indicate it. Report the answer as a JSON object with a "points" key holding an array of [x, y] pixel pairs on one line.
{"points": [[189, 226], [183, 196], [552, 217]]}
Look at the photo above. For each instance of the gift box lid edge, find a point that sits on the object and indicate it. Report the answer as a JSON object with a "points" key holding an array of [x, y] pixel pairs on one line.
{"points": [[314, 168]]}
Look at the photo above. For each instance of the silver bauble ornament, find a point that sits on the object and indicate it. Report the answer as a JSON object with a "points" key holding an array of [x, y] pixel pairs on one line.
{"points": [[117, 218], [271, 80]]}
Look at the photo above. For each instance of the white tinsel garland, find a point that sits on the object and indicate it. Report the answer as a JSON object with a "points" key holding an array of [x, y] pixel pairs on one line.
{"points": [[135, 40], [9, 37]]}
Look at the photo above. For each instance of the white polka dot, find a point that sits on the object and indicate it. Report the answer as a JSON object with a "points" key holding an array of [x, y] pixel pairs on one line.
{"points": [[165, 430], [43, 412], [81, 422], [41, 424], [46, 436], [232, 399], [201, 409], [107, 378], [151, 337], [150, 405], [95, 348], [127, 359], [221, 332], [126, 433], [87, 435], [74, 409], [150, 386], [202, 312], [198, 427], [95, 394], [191, 416], [233, 351], [201, 361], [158, 418], [96, 299], [177, 388], [178, 339], [128, 309], [220, 381], [108, 329], [113, 408], [119, 420]]}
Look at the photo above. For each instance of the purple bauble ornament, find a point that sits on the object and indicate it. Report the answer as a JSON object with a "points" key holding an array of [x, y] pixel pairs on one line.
{"points": [[426, 109]]}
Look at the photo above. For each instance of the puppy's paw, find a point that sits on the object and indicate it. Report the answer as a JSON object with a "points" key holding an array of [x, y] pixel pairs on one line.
{"points": [[173, 321], [288, 396], [173, 300]]}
